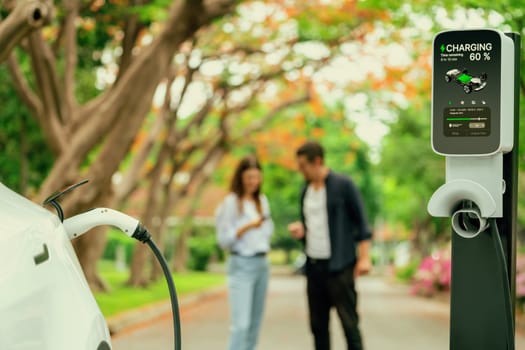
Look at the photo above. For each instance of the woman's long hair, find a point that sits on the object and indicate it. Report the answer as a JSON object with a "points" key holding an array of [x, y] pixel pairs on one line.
{"points": [[236, 186]]}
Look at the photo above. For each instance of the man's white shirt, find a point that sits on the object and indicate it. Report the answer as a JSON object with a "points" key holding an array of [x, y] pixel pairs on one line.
{"points": [[316, 219]]}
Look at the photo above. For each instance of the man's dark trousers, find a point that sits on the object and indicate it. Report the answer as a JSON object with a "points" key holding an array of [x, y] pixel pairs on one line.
{"points": [[326, 289]]}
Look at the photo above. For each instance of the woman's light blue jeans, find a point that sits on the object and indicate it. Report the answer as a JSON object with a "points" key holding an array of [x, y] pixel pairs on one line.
{"points": [[247, 282]]}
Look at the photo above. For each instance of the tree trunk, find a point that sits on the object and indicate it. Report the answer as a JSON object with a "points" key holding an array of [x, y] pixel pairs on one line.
{"points": [[115, 119], [153, 208], [421, 238], [163, 123], [90, 246], [139, 261], [162, 210], [181, 254], [156, 270], [288, 259], [89, 249], [181, 244], [24, 166], [25, 17], [137, 276]]}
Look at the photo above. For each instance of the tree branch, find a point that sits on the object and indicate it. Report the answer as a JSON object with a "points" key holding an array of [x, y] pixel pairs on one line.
{"points": [[197, 13], [87, 5], [188, 78], [25, 17], [148, 68], [196, 121], [132, 28], [55, 46], [198, 176], [211, 152], [261, 123], [245, 50], [22, 87], [71, 59], [124, 107], [44, 66], [172, 146], [134, 171], [241, 107], [46, 78]]}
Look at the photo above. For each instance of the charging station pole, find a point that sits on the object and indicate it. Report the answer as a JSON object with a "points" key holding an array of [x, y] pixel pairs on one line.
{"points": [[508, 224], [475, 124]]}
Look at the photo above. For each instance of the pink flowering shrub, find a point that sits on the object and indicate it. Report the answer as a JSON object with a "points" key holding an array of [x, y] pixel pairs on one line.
{"points": [[433, 274]]}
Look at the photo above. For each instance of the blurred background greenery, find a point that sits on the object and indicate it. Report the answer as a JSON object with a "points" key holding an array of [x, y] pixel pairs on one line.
{"points": [[155, 101]]}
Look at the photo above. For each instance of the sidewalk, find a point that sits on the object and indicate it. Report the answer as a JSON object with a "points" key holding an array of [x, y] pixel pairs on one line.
{"points": [[391, 319], [150, 313], [137, 318]]}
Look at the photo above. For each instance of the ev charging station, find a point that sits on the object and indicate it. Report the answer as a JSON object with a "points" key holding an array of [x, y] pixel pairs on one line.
{"points": [[475, 119]]}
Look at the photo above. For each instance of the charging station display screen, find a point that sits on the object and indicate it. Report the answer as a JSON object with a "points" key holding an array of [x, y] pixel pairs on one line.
{"points": [[466, 92]]}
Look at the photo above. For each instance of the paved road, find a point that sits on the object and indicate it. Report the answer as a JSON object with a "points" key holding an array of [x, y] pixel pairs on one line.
{"points": [[391, 319]]}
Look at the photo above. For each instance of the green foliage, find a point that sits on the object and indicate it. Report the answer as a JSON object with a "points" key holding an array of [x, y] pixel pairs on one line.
{"points": [[311, 28], [282, 187], [283, 257], [21, 168], [85, 88], [153, 11], [406, 273], [97, 33], [330, 21], [201, 248], [114, 240], [410, 170], [122, 298]]}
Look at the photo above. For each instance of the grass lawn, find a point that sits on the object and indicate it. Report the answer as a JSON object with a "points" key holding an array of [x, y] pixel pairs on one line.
{"points": [[278, 256], [122, 298]]}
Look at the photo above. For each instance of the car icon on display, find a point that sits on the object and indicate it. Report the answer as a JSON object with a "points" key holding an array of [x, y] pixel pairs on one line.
{"points": [[453, 74], [468, 82]]}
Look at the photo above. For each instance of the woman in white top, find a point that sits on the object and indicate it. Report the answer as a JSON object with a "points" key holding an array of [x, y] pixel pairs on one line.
{"points": [[244, 227]]}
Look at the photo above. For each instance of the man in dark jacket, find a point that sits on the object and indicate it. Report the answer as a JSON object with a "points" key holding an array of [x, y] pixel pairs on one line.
{"points": [[336, 237]]}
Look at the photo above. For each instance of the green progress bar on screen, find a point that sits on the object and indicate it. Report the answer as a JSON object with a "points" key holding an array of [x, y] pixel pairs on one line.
{"points": [[467, 118]]}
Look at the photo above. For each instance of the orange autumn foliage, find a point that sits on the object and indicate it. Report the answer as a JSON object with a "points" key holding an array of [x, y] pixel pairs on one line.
{"points": [[139, 140], [315, 101]]}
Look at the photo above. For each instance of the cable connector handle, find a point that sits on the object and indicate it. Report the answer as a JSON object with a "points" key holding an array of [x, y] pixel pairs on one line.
{"points": [[79, 224]]}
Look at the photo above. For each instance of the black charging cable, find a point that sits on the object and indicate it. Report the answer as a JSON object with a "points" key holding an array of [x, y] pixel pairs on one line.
{"points": [[502, 265], [141, 234]]}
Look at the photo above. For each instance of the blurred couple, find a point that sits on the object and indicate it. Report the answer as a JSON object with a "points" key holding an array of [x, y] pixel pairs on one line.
{"points": [[336, 238]]}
